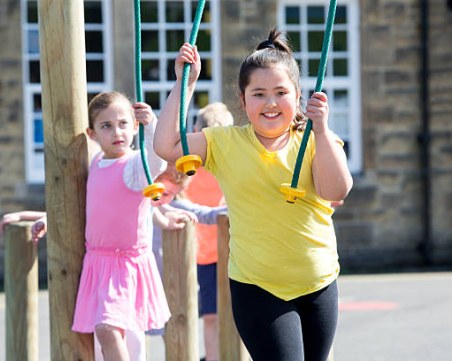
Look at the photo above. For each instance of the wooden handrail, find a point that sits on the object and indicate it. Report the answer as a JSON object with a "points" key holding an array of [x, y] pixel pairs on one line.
{"points": [[21, 293]]}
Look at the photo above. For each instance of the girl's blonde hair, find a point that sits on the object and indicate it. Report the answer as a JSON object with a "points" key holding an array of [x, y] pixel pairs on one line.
{"points": [[102, 101], [214, 115], [173, 176]]}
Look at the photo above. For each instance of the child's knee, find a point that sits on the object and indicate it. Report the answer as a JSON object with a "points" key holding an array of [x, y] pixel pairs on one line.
{"points": [[108, 334]]}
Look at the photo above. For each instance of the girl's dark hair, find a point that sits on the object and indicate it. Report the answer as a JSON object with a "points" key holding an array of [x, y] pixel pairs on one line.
{"points": [[101, 101], [274, 50]]}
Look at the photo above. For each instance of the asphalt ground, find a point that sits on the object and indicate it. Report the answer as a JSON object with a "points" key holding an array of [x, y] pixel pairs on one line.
{"points": [[384, 317]]}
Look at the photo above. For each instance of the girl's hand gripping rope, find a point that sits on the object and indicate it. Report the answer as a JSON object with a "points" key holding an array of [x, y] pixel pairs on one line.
{"points": [[188, 57], [144, 115]]}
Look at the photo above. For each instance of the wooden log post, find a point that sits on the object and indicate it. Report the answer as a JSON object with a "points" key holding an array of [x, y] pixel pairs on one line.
{"points": [[231, 347], [64, 100], [21, 292], [181, 287]]}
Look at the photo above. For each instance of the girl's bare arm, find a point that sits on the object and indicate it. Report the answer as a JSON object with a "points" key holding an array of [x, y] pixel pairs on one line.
{"points": [[167, 139]]}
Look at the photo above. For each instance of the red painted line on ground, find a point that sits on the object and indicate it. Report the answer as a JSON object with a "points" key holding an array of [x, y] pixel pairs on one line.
{"points": [[368, 306]]}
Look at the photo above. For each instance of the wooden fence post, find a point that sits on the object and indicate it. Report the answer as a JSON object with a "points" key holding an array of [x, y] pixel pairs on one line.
{"points": [[181, 287], [21, 292], [231, 346], [64, 104]]}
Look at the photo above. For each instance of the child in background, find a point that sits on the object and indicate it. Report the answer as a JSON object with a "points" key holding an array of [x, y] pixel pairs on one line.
{"points": [[173, 203], [204, 189], [181, 209], [283, 262], [120, 288]]}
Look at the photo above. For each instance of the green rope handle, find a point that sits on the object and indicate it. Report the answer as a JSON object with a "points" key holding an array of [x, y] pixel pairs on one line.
{"points": [[185, 75], [138, 88], [318, 87]]}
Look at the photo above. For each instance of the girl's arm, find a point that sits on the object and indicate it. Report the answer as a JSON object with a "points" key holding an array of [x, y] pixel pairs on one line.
{"points": [[171, 220], [166, 208], [205, 214], [167, 141], [332, 177], [145, 115], [134, 175], [20, 216]]}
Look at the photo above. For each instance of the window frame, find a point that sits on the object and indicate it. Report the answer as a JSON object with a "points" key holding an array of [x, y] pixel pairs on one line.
{"points": [[351, 82], [163, 86], [33, 153]]}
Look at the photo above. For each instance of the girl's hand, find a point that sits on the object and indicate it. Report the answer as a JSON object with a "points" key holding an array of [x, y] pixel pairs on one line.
{"points": [[317, 110], [176, 220], [38, 229], [188, 54], [143, 113]]}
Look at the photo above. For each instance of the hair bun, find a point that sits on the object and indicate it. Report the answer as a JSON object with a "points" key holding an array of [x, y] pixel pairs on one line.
{"points": [[267, 44]]}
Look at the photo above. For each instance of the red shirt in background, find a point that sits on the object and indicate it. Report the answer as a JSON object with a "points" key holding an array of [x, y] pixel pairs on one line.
{"points": [[204, 190]]}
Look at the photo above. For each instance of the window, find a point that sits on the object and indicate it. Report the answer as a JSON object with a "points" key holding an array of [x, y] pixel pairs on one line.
{"points": [[305, 26], [165, 25], [98, 68]]}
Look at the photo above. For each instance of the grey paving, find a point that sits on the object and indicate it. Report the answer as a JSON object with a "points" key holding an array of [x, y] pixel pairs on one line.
{"points": [[391, 317]]}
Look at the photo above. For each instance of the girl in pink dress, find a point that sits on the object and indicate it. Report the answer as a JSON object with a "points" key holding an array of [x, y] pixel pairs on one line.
{"points": [[120, 287]]}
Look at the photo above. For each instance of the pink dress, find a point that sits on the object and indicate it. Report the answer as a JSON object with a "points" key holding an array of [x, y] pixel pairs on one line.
{"points": [[120, 284]]}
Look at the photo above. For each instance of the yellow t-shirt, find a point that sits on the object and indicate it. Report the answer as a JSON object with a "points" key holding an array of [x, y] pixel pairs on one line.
{"points": [[287, 249]]}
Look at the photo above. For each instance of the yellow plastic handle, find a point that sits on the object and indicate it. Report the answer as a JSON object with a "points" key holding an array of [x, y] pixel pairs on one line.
{"points": [[291, 194], [188, 164], [154, 191]]}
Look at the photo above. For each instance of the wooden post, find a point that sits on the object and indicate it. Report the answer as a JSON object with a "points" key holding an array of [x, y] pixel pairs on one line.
{"points": [[64, 100], [21, 292], [181, 287], [231, 346]]}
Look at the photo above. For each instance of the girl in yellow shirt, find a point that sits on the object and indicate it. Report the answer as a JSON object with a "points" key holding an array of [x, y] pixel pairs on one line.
{"points": [[283, 261]]}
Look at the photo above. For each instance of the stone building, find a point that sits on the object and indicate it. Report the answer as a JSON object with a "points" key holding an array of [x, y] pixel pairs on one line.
{"points": [[389, 80]]}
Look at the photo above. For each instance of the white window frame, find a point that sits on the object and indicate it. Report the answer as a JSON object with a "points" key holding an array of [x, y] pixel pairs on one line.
{"points": [[164, 86], [351, 82], [34, 160]]}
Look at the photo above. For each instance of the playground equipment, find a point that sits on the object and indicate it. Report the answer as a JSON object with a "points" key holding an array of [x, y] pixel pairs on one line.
{"points": [[65, 115], [153, 190], [21, 291], [291, 192], [188, 164]]}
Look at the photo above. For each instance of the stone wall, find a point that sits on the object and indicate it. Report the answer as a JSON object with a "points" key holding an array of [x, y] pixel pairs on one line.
{"points": [[441, 121], [382, 221], [14, 192]]}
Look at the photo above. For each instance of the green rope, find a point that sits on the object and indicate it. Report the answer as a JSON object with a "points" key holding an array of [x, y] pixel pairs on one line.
{"points": [[185, 76], [138, 89], [318, 87]]}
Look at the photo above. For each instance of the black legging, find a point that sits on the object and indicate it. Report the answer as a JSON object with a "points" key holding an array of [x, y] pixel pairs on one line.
{"points": [[276, 330]]}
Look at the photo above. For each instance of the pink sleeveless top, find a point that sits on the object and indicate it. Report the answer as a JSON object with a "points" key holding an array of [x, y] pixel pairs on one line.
{"points": [[120, 284], [116, 216]]}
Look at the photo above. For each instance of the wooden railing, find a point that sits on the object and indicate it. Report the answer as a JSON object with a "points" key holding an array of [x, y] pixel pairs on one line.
{"points": [[21, 293]]}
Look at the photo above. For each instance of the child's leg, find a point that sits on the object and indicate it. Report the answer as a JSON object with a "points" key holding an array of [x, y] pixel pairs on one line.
{"points": [[112, 342], [319, 314], [207, 279], [136, 345], [269, 327], [97, 350], [211, 337]]}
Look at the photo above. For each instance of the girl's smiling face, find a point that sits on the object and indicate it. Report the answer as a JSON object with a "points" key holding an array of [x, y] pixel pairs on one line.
{"points": [[114, 129], [271, 101]]}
